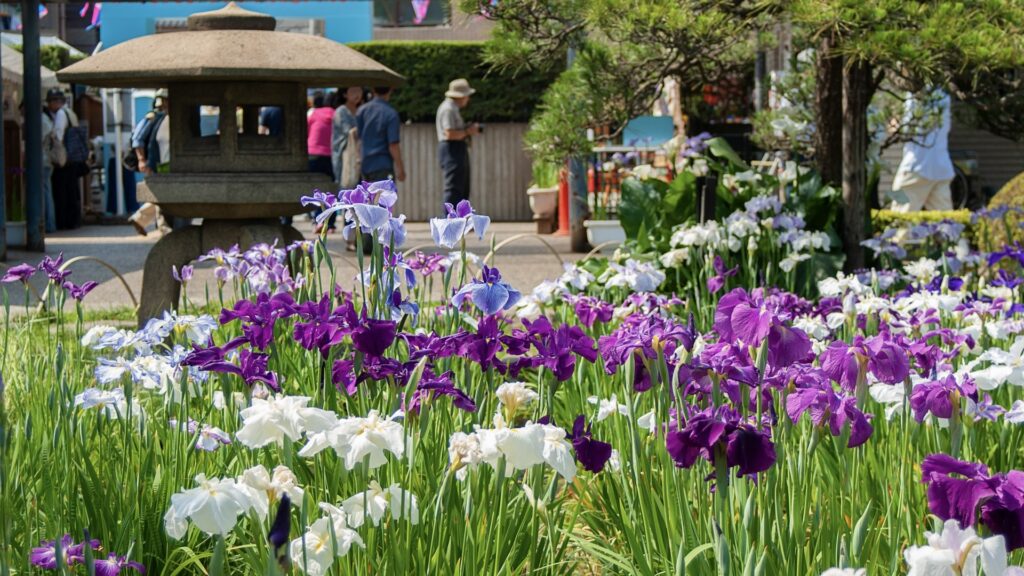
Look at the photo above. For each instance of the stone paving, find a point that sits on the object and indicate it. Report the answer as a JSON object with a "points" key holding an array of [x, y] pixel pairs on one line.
{"points": [[524, 262]]}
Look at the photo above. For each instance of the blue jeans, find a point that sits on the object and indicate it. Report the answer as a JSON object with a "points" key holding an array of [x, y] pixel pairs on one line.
{"points": [[49, 212]]}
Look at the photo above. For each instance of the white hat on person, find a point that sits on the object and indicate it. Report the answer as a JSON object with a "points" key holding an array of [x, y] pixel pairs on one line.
{"points": [[459, 88]]}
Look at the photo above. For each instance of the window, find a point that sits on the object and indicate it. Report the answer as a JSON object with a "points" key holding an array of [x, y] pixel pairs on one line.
{"points": [[204, 125], [393, 13], [261, 128]]}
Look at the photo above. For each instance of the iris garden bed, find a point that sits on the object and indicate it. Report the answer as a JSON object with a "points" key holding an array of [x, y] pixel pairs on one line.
{"points": [[662, 412]]}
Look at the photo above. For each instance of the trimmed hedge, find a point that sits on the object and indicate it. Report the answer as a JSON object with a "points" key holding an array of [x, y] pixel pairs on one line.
{"points": [[1011, 194], [428, 67], [882, 219]]}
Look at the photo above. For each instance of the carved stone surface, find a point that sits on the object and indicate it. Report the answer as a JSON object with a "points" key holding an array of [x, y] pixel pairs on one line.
{"points": [[183, 246], [231, 196]]}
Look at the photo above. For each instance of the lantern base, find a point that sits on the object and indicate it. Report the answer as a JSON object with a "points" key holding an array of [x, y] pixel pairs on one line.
{"points": [[183, 246]]}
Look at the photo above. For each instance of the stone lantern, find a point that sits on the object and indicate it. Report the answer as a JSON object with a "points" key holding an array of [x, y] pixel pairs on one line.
{"points": [[219, 74]]}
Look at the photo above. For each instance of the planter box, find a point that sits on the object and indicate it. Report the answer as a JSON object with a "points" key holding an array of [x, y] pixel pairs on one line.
{"points": [[605, 233], [17, 234], [544, 204]]}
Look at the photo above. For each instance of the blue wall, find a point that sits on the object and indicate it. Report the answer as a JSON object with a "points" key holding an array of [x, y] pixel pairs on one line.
{"points": [[350, 21]]}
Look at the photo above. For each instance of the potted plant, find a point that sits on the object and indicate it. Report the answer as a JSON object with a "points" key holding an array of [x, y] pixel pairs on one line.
{"points": [[543, 193], [603, 227]]}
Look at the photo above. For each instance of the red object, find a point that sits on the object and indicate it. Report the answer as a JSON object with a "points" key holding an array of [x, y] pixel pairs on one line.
{"points": [[563, 203]]}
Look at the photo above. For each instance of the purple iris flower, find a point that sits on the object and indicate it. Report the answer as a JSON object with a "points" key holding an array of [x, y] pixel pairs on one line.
{"points": [[481, 346], [751, 318], [281, 528], [79, 292], [957, 488], [113, 564], [642, 335], [590, 310], [321, 327], [373, 337], [434, 386], [428, 264], [378, 368], [460, 221], [748, 449], [489, 294], [1007, 279], [258, 318], [593, 454], [1010, 251], [319, 199], [557, 348], [45, 555], [184, 275], [940, 397], [828, 408], [20, 273], [400, 307], [51, 267], [252, 367], [367, 206], [846, 363], [717, 282], [985, 409], [200, 357]]}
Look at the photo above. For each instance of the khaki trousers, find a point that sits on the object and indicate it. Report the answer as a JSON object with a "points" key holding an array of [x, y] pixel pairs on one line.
{"points": [[922, 193]]}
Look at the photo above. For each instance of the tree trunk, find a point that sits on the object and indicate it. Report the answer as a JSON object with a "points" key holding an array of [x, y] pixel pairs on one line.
{"points": [[857, 92], [828, 108]]}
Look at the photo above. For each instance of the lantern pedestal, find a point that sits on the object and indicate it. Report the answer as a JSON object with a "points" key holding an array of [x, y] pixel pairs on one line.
{"points": [[181, 247]]}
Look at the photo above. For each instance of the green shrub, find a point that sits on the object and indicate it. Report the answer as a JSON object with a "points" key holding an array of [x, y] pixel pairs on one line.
{"points": [[55, 57], [883, 219], [1011, 194], [428, 67]]}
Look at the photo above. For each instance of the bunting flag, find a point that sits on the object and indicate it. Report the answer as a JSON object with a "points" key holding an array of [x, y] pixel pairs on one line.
{"points": [[94, 19], [419, 8]]}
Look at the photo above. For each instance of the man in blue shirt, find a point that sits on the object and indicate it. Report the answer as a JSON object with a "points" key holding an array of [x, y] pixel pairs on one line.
{"points": [[378, 126]]}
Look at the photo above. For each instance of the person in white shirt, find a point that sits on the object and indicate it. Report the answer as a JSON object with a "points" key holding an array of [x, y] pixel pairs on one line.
{"points": [[924, 174], [151, 140], [67, 199]]}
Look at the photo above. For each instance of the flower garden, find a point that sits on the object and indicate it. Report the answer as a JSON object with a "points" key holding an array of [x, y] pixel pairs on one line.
{"points": [[713, 399]]}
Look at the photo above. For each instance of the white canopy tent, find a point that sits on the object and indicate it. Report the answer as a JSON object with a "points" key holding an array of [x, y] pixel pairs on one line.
{"points": [[13, 72]]}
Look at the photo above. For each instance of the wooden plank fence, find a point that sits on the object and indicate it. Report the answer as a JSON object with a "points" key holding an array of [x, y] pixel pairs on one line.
{"points": [[499, 173]]}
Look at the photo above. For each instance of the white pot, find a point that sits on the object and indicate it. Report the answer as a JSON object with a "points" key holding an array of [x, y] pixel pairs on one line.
{"points": [[543, 202], [605, 232], [17, 234]]}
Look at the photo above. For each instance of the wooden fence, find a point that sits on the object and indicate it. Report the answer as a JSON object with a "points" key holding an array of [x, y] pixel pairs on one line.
{"points": [[499, 172]]}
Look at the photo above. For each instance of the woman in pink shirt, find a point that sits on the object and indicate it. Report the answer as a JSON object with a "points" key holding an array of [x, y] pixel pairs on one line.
{"points": [[318, 141]]}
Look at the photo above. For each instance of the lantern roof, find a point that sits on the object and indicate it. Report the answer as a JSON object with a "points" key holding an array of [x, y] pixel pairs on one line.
{"points": [[229, 44]]}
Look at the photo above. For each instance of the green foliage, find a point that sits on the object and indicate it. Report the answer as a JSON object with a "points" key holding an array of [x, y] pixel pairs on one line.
{"points": [[55, 57], [655, 205], [502, 95], [624, 50], [545, 174], [555, 132]]}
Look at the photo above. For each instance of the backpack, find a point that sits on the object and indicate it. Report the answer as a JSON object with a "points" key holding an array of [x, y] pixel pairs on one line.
{"points": [[76, 141]]}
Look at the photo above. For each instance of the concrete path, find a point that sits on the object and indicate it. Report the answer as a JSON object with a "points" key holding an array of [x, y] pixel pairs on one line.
{"points": [[524, 262]]}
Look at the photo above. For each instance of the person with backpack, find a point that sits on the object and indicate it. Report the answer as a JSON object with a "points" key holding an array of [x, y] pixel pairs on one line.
{"points": [[151, 145], [67, 198]]}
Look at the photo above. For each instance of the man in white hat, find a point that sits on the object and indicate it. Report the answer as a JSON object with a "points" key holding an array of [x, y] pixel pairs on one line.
{"points": [[453, 140]]}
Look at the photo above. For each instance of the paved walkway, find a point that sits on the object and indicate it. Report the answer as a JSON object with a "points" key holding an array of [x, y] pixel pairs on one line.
{"points": [[524, 262]]}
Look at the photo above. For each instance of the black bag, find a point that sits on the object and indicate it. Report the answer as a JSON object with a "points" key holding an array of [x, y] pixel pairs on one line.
{"points": [[130, 160], [76, 142]]}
